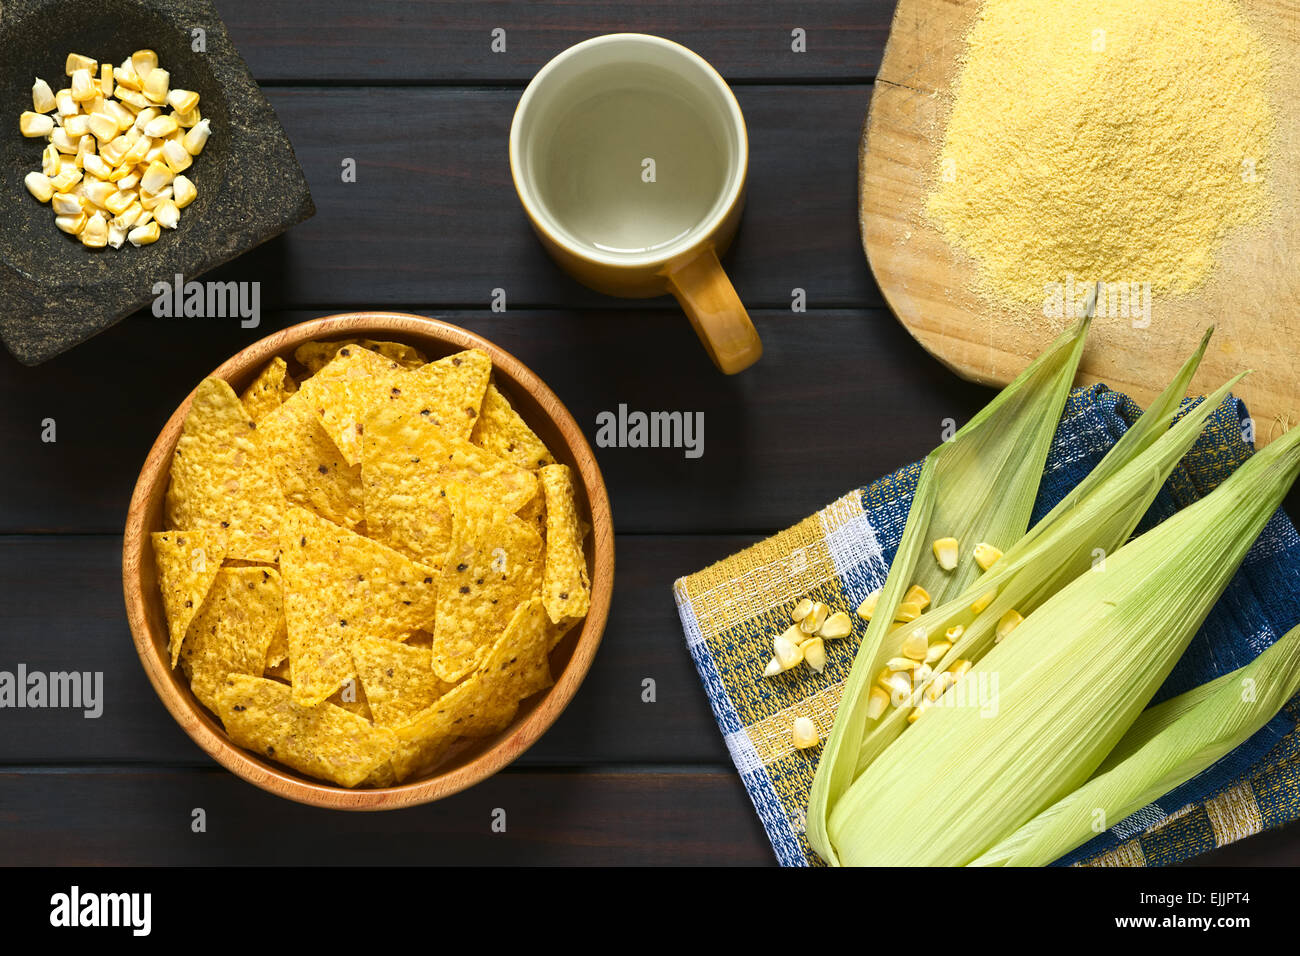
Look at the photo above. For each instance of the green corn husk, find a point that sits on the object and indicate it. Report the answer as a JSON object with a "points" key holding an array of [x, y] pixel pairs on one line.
{"points": [[1066, 689], [1167, 745], [998, 457], [1097, 516]]}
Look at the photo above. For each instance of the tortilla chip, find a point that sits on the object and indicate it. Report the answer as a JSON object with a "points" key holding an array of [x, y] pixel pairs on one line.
{"points": [[519, 665], [323, 741], [281, 671], [269, 390], [399, 680], [566, 588], [344, 391], [221, 480], [316, 355], [278, 651], [232, 631], [352, 698], [340, 586], [188, 562], [500, 430], [533, 514], [408, 464], [448, 392], [492, 566], [308, 465]]}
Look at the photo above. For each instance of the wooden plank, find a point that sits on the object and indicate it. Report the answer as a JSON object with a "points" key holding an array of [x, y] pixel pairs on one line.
{"points": [[143, 817], [406, 41], [62, 609], [840, 397], [433, 216]]}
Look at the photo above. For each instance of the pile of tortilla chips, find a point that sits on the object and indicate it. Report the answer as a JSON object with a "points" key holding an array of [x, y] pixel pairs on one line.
{"points": [[368, 557]]}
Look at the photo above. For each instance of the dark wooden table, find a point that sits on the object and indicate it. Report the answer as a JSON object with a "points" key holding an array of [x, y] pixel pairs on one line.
{"points": [[413, 93]]}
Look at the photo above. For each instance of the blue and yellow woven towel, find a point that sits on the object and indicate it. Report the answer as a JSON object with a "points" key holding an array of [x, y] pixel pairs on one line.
{"points": [[732, 610]]}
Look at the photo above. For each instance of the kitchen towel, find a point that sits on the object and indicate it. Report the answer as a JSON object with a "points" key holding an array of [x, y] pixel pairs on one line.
{"points": [[731, 611]]}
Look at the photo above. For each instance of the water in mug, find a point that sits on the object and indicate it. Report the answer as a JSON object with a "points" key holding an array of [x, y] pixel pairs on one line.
{"points": [[596, 171]]}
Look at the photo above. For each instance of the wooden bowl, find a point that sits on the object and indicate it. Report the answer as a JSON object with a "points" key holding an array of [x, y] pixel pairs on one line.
{"points": [[470, 761]]}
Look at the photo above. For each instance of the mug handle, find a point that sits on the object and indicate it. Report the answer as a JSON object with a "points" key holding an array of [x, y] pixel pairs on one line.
{"points": [[716, 312]]}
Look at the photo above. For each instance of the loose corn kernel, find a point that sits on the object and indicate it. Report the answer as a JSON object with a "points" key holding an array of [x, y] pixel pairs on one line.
{"points": [[804, 733], [901, 664], [76, 61], [151, 201], [155, 85], [837, 625], [124, 76], [175, 156], [119, 202], [814, 654], [63, 142], [104, 127], [939, 686], [1008, 623], [877, 701], [983, 601], [76, 126], [899, 686], [182, 101], [98, 191], [33, 125], [85, 147], [143, 235], [868, 605], [137, 151], [106, 79], [72, 225], [133, 99], [936, 651], [43, 97], [66, 204], [960, 668], [917, 595], [801, 610], [146, 217], [116, 236], [50, 161], [166, 214], [128, 216], [916, 645], [156, 177], [917, 711], [986, 555], [907, 611], [39, 185], [96, 166], [784, 646], [95, 233], [954, 633], [190, 119], [83, 87], [143, 62], [66, 179], [159, 126], [946, 552], [65, 104], [197, 137], [773, 668]]}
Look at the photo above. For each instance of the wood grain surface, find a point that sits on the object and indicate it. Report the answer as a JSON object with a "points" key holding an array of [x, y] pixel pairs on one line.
{"points": [[1252, 299], [842, 395]]}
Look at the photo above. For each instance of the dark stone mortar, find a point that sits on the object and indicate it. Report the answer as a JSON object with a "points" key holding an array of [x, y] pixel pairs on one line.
{"points": [[54, 292]]}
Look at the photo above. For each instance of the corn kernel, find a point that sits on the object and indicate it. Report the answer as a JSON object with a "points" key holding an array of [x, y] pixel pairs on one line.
{"points": [[916, 645], [166, 214], [128, 216], [960, 668], [72, 225], [95, 233], [155, 85], [936, 651], [143, 235], [190, 119], [66, 179], [104, 127], [837, 625], [156, 178], [143, 62], [917, 595], [76, 61], [197, 138], [83, 87], [76, 126], [97, 191], [39, 185], [814, 651], [160, 127], [182, 101], [33, 125], [50, 161], [116, 236], [125, 76], [907, 611], [868, 605], [42, 97], [986, 555], [1008, 623], [983, 601], [106, 79], [877, 701], [66, 204], [801, 610], [946, 552], [95, 166], [133, 99], [176, 157], [65, 104], [118, 202], [804, 733]]}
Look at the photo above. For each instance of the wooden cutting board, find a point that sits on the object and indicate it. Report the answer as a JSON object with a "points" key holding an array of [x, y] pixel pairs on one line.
{"points": [[1254, 301]]}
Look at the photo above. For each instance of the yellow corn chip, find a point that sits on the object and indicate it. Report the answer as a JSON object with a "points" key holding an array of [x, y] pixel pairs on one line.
{"points": [[315, 355], [308, 465], [409, 463], [448, 392], [281, 671], [278, 651], [518, 665], [398, 679], [323, 741], [533, 514], [232, 630], [221, 480], [340, 586], [492, 566], [500, 430], [272, 386], [566, 588], [344, 391], [188, 563], [352, 698]]}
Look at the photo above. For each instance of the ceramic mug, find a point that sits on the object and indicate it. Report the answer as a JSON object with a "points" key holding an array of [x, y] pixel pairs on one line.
{"points": [[629, 155]]}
